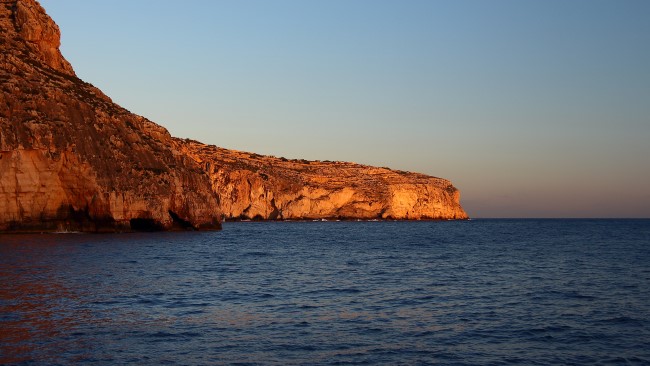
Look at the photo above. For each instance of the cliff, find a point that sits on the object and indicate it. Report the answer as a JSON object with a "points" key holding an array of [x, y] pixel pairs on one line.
{"points": [[71, 159], [251, 186]]}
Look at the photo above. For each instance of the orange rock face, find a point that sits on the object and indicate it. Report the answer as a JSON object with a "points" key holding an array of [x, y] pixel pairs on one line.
{"points": [[71, 159], [41, 34], [251, 186]]}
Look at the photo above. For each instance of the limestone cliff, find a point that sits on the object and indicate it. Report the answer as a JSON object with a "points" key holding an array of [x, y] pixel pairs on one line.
{"points": [[251, 186], [71, 159]]}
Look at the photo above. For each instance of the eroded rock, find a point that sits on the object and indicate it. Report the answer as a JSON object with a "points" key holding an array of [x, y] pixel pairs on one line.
{"points": [[251, 186]]}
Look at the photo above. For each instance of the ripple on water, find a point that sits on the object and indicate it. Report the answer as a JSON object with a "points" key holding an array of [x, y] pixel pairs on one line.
{"points": [[480, 292]]}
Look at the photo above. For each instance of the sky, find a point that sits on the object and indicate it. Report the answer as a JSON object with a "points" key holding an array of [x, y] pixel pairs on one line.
{"points": [[532, 108]]}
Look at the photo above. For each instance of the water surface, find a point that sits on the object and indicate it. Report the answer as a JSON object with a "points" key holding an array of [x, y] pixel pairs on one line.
{"points": [[460, 293]]}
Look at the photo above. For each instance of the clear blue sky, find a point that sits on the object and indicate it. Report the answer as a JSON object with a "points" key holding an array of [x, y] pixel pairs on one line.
{"points": [[531, 108]]}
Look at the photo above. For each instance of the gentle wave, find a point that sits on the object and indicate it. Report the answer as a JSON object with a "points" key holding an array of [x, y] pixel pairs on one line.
{"points": [[485, 292]]}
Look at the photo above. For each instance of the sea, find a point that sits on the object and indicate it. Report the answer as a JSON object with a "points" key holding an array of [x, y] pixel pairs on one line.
{"points": [[479, 292]]}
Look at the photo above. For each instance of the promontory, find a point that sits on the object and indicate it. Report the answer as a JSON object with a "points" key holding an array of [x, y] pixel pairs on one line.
{"points": [[72, 160]]}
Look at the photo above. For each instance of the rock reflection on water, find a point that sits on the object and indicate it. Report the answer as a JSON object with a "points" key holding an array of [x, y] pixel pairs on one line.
{"points": [[38, 311]]}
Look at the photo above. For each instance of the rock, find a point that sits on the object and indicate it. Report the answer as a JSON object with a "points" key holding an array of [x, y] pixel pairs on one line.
{"points": [[251, 186], [71, 159], [41, 34]]}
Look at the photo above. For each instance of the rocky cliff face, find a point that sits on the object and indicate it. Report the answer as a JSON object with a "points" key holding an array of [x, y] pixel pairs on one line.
{"points": [[251, 186], [71, 159]]}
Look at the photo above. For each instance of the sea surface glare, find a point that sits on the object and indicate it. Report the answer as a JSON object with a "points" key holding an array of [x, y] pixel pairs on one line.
{"points": [[482, 292]]}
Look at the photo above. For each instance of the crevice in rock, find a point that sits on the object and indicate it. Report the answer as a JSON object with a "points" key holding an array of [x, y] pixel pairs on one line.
{"points": [[179, 222], [275, 213]]}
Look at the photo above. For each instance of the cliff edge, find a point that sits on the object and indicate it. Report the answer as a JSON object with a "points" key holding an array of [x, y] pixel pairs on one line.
{"points": [[71, 159]]}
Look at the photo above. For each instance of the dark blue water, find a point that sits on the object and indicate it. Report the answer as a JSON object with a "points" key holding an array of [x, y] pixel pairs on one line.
{"points": [[483, 292]]}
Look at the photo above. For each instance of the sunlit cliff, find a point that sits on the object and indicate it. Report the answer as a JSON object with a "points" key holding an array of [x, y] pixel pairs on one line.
{"points": [[71, 159]]}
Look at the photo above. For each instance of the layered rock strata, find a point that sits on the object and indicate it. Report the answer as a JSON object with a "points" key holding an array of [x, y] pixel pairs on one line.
{"points": [[252, 186], [71, 159]]}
